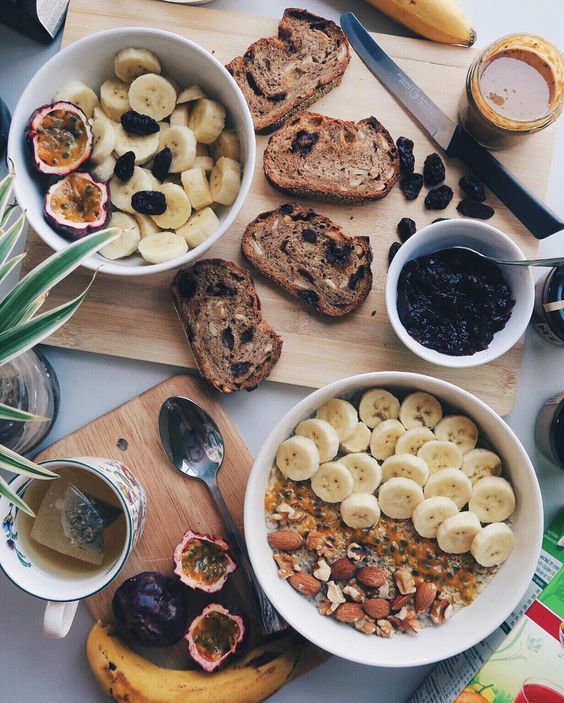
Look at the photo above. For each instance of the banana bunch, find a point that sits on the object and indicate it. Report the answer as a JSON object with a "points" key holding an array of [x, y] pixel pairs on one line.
{"points": [[440, 20], [126, 676]]}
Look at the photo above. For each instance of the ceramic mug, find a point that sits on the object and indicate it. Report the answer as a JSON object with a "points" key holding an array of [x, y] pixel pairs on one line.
{"points": [[63, 594]]}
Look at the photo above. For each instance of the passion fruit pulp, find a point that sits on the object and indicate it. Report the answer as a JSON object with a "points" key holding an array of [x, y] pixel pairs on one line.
{"points": [[214, 636], [60, 138], [77, 205], [203, 561]]}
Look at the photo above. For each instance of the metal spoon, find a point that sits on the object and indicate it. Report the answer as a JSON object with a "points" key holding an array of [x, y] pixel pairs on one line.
{"points": [[557, 261], [193, 443]]}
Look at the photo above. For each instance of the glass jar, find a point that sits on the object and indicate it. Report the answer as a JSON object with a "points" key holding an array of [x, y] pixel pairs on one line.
{"points": [[548, 314], [482, 113], [549, 429], [28, 383]]}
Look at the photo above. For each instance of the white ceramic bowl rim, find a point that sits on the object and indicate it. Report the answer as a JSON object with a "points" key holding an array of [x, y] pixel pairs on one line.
{"points": [[451, 637]]}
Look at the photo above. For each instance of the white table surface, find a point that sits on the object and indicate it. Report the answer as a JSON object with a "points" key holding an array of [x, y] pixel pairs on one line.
{"points": [[34, 669]]}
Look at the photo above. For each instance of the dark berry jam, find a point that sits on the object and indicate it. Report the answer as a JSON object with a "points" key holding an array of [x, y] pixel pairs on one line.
{"points": [[453, 301]]}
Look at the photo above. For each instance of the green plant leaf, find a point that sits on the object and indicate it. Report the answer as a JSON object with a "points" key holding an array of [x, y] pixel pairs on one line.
{"points": [[48, 274], [33, 307], [6, 185], [5, 490], [11, 461], [6, 216], [8, 266], [9, 238], [17, 415]]}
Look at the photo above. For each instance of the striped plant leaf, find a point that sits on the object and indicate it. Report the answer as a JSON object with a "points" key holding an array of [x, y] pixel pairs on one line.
{"points": [[18, 464], [7, 213], [9, 238], [8, 266], [16, 415], [6, 185], [5, 490], [33, 307]]}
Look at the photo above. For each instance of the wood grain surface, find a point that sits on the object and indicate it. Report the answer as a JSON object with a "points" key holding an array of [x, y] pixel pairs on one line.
{"points": [[134, 317]]}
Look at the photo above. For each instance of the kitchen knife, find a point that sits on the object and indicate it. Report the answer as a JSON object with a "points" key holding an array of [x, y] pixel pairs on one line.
{"points": [[534, 214]]}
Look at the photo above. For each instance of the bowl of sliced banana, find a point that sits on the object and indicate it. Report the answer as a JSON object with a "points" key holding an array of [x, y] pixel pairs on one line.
{"points": [[393, 519], [136, 128]]}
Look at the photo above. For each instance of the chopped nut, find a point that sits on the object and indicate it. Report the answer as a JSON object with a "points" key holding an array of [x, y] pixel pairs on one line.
{"points": [[356, 552], [411, 625], [287, 564], [286, 513], [384, 628], [402, 615], [441, 610], [334, 593], [354, 592], [257, 247], [323, 571], [400, 601], [366, 625], [404, 581], [384, 591], [329, 283], [326, 607], [315, 541], [213, 329]]}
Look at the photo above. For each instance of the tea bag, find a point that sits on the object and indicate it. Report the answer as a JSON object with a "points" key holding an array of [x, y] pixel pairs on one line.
{"points": [[73, 523]]}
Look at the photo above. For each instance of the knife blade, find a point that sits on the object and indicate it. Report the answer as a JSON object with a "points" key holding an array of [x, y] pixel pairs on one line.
{"points": [[450, 136]]}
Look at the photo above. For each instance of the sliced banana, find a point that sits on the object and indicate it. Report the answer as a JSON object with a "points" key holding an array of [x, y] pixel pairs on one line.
{"points": [[196, 185], [431, 513], [225, 181], [143, 146], [161, 247], [399, 496], [132, 62], [105, 170], [323, 435], [121, 192], [128, 240], [365, 470], [493, 544], [178, 207], [412, 441], [99, 114], [174, 83], [405, 465], [207, 120], [478, 463], [78, 94], [155, 183], [377, 405], [146, 225], [180, 116], [297, 458], [194, 92], [152, 95], [359, 441], [458, 429], [227, 144], [332, 482], [341, 415], [182, 142], [384, 438], [440, 454], [200, 226], [420, 410], [456, 533], [452, 483], [114, 98], [493, 499], [360, 510], [203, 162], [104, 140]]}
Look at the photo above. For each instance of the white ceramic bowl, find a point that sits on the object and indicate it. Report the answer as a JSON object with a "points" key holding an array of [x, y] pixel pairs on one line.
{"points": [[91, 61], [485, 239], [468, 626]]}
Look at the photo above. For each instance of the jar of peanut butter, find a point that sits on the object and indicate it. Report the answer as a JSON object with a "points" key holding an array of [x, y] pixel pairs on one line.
{"points": [[514, 87]]}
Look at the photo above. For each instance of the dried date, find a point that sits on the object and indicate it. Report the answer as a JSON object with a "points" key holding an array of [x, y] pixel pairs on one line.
{"points": [[405, 151], [473, 187], [433, 170], [406, 227], [149, 202], [411, 185], [161, 164], [438, 198], [472, 208], [125, 166], [136, 123]]}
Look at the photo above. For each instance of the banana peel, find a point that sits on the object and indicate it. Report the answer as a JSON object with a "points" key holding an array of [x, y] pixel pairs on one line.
{"points": [[129, 678], [440, 20]]}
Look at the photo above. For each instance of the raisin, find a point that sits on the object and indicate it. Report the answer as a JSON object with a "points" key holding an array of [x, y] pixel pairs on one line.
{"points": [[433, 170], [284, 245], [220, 290], [241, 368], [149, 202], [286, 209], [438, 198], [247, 335], [405, 151], [310, 296], [253, 84], [306, 274], [356, 277], [394, 248], [406, 227], [186, 285], [473, 187], [338, 254], [411, 185], [472, 208], [278, 97], [161, 164], [304, 142], [227, 338], [310, 235], [135, 123], [124, 166]]}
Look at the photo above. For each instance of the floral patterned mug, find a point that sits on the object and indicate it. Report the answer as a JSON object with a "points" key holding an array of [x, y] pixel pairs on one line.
{"points": [[63, 593]]}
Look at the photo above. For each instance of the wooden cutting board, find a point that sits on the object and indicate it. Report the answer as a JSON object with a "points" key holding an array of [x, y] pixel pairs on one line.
{"points": [[134, 318], [175, 503]]}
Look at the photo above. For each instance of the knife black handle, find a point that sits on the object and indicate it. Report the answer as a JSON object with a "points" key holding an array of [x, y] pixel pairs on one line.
{"points": [[533, 213]]}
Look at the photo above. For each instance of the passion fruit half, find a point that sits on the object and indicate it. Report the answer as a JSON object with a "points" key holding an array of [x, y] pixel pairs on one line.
{"points": [[214, 636], [77, 205], [203, 561], [59, 137]]}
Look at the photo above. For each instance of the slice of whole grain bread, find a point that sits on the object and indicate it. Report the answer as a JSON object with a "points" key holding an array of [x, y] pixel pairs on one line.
{"points": [[311, 257], [218, 307], [281, 75], [324, 158]]}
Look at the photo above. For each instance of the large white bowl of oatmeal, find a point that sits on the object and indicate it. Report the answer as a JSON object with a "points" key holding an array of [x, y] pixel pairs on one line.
{"points": [[393, 519]]}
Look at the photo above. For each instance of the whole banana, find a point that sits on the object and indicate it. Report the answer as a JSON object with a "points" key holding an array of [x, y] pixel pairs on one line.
{"points": [[126, 676], [439, 20]]}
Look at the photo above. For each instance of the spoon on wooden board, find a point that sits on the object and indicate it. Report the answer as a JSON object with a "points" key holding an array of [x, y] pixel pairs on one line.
{"points": [[193, 443], [556, 261]]}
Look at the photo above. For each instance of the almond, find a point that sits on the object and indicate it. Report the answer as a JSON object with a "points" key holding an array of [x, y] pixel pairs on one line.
{"points": [[349, 612], [342, 569], [441, 610], [306, 584], [372, 576], [404, 581], [400, 601], [424, 596], [376, 607], [285, 540]]}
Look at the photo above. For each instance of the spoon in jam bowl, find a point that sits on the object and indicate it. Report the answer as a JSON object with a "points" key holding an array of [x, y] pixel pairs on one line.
{"points": [[193, 443], [556, 261]]}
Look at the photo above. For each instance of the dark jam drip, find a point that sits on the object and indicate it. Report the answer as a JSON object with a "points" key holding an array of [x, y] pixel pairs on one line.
{"points": [[215, 635], [204, 561], [453, 301]]}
